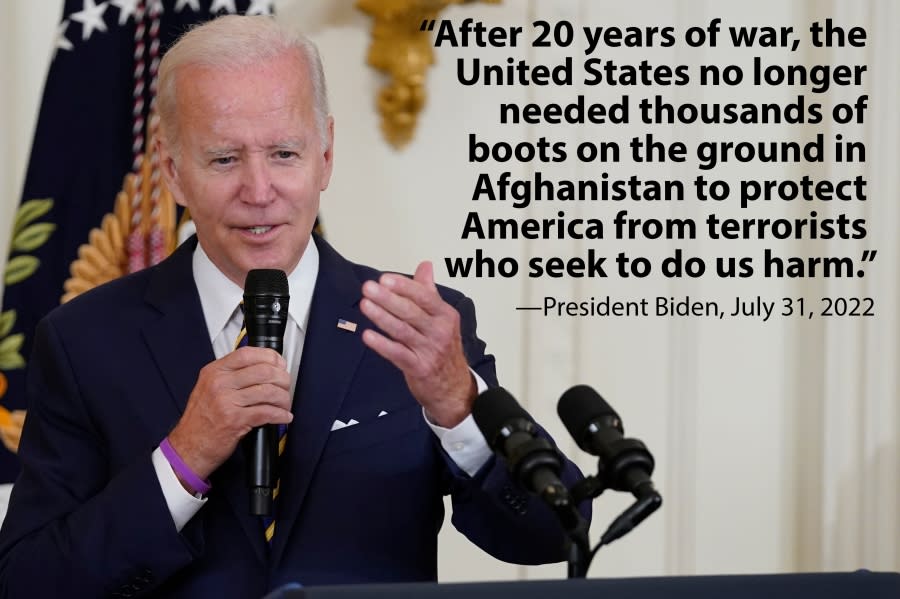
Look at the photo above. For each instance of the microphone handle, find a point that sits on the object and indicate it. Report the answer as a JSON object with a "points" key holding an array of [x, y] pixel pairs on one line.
{"points": [[261, 448]]}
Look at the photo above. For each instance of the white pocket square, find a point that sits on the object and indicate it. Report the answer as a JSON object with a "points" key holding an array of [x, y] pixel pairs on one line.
{"points": [[339, 425]]}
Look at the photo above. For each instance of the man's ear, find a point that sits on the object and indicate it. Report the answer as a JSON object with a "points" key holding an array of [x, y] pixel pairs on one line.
{"points": [[169, 169], [328, 155]]}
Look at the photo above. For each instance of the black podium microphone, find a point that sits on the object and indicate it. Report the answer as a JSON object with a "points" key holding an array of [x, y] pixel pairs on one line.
{"points": [[266, 297], [534, 462], [626, 464]]}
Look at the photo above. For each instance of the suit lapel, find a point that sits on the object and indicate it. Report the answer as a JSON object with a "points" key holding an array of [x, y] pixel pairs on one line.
{"points": [[180, 346], [178, 341], [330, 358]]}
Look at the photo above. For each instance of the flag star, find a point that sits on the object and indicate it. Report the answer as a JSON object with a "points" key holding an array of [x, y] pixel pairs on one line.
{"points": [[62, 42], [260, 7], [126, 9], [91, 18], [194, 4], [227, 5]]}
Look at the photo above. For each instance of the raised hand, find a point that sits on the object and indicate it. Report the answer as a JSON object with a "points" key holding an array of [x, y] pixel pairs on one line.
{"points": [[421, 338]]}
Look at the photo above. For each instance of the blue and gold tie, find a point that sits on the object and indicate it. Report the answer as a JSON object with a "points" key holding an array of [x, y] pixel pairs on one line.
{"points": [[268, 522]]}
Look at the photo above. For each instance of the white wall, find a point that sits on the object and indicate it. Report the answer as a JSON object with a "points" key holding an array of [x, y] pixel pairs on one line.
{"points": [[25, 46], [776, 443]]}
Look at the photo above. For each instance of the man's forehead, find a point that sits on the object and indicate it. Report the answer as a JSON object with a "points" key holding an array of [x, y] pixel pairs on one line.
{"points": [[291, 62], [265, 113], [233, 89]]}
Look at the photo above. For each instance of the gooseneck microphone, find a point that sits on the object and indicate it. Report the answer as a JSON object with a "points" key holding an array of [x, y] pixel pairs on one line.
{"points": [[624, 464], [533, 461], [266, 297], [597, 429]]}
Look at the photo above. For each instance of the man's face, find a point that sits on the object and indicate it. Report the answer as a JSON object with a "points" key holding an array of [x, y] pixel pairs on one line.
{"points": [[249, 163]]}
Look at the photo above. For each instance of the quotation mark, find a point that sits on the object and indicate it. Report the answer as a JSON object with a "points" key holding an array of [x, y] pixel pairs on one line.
{"points": [[426, 25], [868, 256]]}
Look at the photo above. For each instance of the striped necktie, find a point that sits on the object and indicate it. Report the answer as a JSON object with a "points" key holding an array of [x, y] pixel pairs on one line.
{"points": [[268, 522]]}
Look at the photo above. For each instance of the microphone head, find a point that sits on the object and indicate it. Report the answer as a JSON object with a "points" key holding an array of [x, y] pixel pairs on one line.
{"points": [[581, 405], [266, 281], [495, 409], [266, 297]]}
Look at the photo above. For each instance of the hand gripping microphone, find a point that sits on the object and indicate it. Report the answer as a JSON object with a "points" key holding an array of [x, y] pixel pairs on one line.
{"points": [[266, 298], [533, 461]]}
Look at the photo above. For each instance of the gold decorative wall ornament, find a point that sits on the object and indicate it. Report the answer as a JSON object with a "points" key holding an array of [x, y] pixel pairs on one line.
{"points": [[404, 53]]}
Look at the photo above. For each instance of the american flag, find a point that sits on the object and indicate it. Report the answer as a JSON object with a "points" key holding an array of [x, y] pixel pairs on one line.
{"points": [[346, 325]]}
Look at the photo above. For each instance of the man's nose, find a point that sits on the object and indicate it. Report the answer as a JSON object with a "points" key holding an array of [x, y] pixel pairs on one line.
{"points": [[257, 184]]}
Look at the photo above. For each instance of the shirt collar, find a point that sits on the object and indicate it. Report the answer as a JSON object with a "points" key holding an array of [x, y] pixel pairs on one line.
{"points": [[219, 296]]}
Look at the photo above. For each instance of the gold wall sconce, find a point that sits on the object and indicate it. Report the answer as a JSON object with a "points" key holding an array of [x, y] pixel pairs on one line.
{"points": [[403, 52]]}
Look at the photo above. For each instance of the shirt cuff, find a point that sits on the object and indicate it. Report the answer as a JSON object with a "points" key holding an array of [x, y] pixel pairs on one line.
{"points": [[464, 443], [182, 505]]}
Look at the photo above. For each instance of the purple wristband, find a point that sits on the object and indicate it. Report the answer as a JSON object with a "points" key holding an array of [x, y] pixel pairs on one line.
{"points": [[198, 485]]}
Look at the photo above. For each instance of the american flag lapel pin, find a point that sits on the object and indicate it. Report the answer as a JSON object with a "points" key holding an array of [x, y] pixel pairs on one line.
{"points": [[346, 325]]}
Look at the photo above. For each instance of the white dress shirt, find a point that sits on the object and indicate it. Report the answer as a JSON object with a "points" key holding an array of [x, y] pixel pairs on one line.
{"points": [[220, 299]]}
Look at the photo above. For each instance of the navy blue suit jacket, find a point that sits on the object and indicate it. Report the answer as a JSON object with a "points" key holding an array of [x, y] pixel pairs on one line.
{"points": [[110, 376]]}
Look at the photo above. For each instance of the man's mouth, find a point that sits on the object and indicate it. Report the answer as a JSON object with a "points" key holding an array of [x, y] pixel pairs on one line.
{"points": [[259, 230]]}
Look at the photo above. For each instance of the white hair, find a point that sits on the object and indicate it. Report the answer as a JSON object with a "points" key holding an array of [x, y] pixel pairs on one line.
{"points": [[236, 42]]}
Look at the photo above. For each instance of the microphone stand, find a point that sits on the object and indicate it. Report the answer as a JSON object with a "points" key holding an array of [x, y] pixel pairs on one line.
{"points": [[537, 460], [564, 505], [580, 554], [628, 467]]}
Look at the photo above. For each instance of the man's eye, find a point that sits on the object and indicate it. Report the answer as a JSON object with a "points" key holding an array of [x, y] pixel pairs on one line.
{"points": [[284, 154], [223, 160]]}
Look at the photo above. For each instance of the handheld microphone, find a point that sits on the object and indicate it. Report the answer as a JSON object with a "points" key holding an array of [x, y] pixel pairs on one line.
{"points": [[533, 461], [625, 464], [266, 297]]}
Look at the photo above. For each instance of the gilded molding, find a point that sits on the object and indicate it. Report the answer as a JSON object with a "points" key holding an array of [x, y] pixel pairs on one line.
{"points": [[404, 53]]}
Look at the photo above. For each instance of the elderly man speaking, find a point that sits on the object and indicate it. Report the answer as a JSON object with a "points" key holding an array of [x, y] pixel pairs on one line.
{"points": [[133, 481]]}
